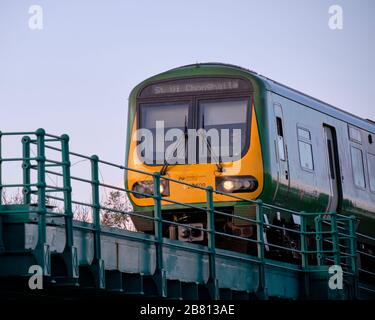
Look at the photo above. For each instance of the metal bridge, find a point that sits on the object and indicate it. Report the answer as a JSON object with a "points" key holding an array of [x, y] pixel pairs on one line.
{"points": [[87, 257]]}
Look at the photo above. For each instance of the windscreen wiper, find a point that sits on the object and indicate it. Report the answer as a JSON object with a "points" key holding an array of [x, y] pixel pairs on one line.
{"points": [[218, 163], [164, 169]]}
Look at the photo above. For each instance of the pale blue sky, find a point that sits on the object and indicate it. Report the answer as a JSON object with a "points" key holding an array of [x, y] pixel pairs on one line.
{"points": [[75, 75]]}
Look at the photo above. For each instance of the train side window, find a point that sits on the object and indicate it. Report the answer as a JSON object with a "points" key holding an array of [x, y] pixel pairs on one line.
{"points": [[354, 135], [305, 149], [280, 138], [371, 170], [304, 134], [279, 124], [358, 169]]}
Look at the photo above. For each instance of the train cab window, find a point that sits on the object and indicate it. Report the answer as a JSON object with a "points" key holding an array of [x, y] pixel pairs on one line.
{"points": [[305, 149], [371, 170], [227, 115], [172, 115], [358, 169]]}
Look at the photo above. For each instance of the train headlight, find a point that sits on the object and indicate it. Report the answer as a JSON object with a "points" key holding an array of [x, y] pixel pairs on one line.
{"points": [[147, 188], [228, 185], [236, 184]]}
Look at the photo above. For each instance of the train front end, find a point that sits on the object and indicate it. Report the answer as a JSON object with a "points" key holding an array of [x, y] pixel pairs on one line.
{"points": [[198, 125]]}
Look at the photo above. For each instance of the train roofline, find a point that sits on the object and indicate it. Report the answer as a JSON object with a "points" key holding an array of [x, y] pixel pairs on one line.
{"points": [[297, 96]]}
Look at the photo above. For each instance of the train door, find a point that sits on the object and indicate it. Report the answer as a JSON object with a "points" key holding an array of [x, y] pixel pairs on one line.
{"points": [[334, 174], [282, 155]]}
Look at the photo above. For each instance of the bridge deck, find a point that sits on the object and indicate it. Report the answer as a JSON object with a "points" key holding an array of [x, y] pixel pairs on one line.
{"points": [[129, 259]]}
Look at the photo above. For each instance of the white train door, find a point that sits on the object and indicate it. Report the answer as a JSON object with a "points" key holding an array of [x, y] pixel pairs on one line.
{"points": [[282, 154], [334, 175]]}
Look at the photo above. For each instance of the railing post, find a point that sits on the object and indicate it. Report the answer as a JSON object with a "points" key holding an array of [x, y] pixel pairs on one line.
{"points": [[262, 289], [212, 282], [43, 248], [70, 252], [159, 276], [97, 263], [26, 169], [353, 253], [335, 238], [1, 196], [1, 169], [304, 254], [96, 206], [304, 240], [319, 240]]}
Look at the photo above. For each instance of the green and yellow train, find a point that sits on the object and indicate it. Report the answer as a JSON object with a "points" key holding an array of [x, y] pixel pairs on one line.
{"points": [[295, 151]]}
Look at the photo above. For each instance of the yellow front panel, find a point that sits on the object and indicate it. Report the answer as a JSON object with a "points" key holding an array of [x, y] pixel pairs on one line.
{"points": [[200, 174]]}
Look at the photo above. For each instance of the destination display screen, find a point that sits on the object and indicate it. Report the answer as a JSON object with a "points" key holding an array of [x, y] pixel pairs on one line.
{"points": [[200, 85]]}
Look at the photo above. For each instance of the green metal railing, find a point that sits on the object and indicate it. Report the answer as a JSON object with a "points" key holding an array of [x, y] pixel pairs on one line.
{"points": [[320, 238]]}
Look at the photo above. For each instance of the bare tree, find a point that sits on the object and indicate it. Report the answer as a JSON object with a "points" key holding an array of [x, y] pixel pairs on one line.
{"points": [[82, 213], [115, 215], [118, 217], [15, 197]]}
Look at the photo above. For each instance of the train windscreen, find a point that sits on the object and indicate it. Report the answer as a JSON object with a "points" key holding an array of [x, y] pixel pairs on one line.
{"points": [[167, 123], [210, 130], [201, 120], [230, 119]]}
